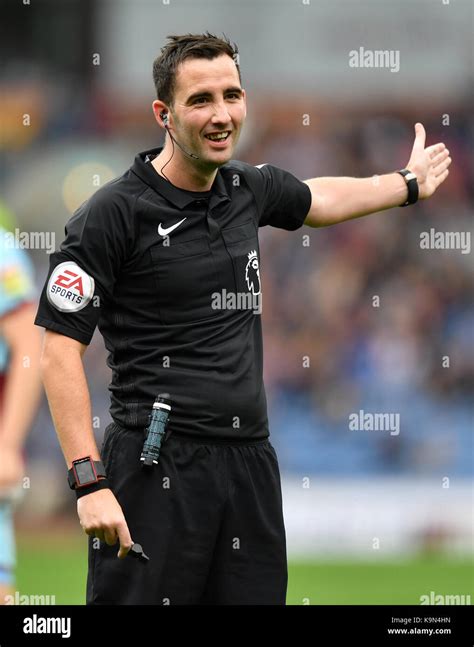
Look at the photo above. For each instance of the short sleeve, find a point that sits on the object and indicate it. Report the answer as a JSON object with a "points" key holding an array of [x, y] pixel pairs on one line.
{"points": [[82, 274], [283, 200]]}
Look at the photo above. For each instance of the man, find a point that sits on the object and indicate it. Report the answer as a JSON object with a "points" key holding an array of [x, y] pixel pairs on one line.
{"points": [[20, 388], [144, 258]]}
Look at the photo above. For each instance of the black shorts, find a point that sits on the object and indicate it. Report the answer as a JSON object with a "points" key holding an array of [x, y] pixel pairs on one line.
{"points": [[209, 516]]}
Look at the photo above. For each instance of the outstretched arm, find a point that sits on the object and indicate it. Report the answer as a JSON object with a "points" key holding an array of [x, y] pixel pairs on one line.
{"points": [[336, 199]]}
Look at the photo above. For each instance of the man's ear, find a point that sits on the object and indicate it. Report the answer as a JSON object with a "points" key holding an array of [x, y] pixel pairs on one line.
{"points": [[159, 109]]}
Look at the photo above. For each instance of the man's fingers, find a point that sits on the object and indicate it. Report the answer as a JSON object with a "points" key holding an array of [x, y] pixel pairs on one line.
{"points": [[440, 157], [110, 537], [420, 136], [90, 532], [93, 532], [441, 178], [125, 539], [441, 168], [435, 149]]}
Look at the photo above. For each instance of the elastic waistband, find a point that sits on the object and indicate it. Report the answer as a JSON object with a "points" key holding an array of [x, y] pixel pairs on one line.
{"points": [[212, 440], [199, 439]]}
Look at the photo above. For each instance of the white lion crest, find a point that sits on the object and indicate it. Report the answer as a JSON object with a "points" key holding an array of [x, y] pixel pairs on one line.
{"points": [[252, 273]]}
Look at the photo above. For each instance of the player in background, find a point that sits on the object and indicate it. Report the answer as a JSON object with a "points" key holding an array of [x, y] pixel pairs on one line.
{"points": [[20, 388]]}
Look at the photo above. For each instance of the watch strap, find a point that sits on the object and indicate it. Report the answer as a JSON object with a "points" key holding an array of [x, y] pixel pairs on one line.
{"points": [[412, 185], [103, 484]]}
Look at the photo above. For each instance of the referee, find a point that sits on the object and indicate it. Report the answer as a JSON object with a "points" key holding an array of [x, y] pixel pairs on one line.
{"points": [[161, 260]]}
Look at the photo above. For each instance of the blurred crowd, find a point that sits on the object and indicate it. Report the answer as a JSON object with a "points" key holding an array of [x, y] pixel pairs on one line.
{"points": [[359, 317]]}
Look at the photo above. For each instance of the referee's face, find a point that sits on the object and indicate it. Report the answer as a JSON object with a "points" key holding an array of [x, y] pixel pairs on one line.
{"points": [[208, 103]]}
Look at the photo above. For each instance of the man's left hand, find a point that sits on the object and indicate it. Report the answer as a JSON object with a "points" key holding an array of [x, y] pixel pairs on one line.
{"points": [[430, 165]]}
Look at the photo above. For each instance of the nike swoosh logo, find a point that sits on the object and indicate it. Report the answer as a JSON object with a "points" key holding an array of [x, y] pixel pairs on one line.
{"points": [[164, 232]]}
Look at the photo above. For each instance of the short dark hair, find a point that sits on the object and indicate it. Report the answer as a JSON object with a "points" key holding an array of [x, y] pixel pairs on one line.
{"points": [[181, 48]]}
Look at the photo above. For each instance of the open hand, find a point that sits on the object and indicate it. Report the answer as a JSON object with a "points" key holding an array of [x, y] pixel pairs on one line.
{"points": [[430, 165]]}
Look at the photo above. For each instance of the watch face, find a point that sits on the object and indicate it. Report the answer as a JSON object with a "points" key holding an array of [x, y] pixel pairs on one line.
{"points": [[84, 472]]}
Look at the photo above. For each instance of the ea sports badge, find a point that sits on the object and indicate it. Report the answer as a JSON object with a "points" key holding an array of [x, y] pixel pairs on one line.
{"points": [[69, 288]]}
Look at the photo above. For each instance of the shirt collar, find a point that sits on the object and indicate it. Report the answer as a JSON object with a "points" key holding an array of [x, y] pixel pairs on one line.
{"points": [[179, 197]]}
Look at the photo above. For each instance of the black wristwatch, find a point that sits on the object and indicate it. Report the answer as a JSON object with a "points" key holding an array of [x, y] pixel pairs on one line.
{"points": [[84, 472], [412, 184]]}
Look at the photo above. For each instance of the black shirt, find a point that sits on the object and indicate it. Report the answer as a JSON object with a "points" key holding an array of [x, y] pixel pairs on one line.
{"points": [[146, 262]]}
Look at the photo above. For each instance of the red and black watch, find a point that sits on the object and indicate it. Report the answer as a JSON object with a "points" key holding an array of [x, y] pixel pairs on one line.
{"points": [[85, 472]]}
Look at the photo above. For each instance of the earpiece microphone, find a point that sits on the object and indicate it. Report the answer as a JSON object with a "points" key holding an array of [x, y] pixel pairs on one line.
{"points": [[164, 117]]}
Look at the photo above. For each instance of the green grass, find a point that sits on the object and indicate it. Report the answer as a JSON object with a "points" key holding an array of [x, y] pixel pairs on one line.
{"points": [[56, 567], [53, 568], [401, 582]]}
